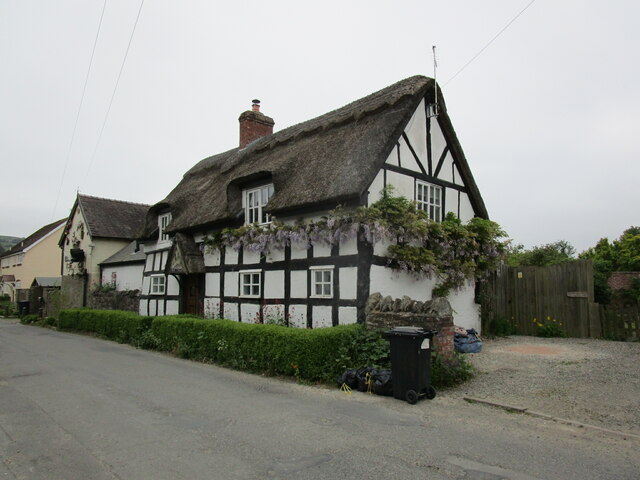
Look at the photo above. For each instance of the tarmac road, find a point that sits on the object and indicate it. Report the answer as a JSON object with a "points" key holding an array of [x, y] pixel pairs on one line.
{"points": [[76, 407]]}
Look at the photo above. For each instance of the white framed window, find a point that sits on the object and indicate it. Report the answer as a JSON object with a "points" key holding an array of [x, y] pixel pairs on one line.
{"points": [[250, 283], [158, 285], [321, 282], [429, 199], [255, 200], [163, 222]]}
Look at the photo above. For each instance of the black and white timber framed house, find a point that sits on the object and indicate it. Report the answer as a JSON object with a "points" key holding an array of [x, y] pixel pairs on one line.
{"points": [[345, 157]]}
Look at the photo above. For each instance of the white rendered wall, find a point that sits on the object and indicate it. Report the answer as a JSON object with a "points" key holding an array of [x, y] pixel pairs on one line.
{"points": [[128, 277], [466, 210], [397, 284]]}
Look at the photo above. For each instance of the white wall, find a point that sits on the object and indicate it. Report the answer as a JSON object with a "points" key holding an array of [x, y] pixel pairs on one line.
{"points": [[128, 277]]}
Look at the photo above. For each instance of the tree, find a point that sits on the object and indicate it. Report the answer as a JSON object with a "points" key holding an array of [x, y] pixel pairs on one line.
{"points": [[541, 256], [621, 255]]}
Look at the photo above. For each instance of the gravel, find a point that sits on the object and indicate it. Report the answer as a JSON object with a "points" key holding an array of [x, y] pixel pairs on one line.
{"points": [[590, 381]]}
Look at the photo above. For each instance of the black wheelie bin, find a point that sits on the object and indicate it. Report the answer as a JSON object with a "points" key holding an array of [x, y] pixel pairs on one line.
{"points": [[411, 363]]}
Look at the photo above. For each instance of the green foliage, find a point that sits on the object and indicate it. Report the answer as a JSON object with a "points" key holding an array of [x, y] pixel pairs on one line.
{"points": [[452, 252], [364, 348], [105, 288], [306, 354], [500, 326], [549, 328], [28, 319], [450, 370], [117, 325], [621, 255], [272, 349], [541, 256]]}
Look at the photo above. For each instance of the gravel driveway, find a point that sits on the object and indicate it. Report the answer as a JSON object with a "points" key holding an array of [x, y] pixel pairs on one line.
{"points": [[590, 381]]}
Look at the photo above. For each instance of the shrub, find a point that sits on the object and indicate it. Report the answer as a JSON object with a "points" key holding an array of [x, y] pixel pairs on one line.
{"points": [[549, 328], [28, 319], [121, 326], [447, 371], [273, 349], [502, 327]]}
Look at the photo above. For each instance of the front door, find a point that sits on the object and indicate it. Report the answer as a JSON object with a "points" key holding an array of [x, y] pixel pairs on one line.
{"points": [[193, 294]]}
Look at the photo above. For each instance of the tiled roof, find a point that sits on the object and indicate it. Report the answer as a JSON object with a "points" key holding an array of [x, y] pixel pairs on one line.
{"points": [[33, 238], [127, 255], [107, 218]]}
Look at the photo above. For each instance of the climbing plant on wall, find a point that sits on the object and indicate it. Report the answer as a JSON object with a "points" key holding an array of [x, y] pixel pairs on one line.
{"points": [[450, 251]]}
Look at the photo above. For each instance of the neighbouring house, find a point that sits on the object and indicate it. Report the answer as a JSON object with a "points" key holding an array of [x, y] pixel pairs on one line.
{"points": [[36, 256], [123, 270], [397, 136], [96, 229]]}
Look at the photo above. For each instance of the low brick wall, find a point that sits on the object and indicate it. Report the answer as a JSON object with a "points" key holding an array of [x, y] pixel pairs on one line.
{"points": [[388, 313], [128, 300]]}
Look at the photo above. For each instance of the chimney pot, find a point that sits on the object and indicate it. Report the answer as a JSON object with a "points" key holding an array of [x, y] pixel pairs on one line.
{"points": [[255, 105]]}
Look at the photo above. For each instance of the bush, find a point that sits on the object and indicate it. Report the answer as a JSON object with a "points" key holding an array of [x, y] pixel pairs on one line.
{"points": [[273, 349], [447, 371], [549, 328], [121, 326], [501, 327], [29, 319]]}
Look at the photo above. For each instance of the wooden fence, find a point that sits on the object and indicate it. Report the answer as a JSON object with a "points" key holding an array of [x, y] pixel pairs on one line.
{"points": [[526, 296]]}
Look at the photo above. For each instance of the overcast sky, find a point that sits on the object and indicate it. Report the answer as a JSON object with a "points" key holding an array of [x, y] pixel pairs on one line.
{"points": [[547, 114]]}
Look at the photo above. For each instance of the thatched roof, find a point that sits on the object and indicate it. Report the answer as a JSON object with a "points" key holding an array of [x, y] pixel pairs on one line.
{"points": [[107, 218], [33, 238], [322, 162]]}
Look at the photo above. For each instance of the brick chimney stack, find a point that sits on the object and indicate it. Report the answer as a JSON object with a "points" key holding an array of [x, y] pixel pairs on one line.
{"points": [[254, 124]]}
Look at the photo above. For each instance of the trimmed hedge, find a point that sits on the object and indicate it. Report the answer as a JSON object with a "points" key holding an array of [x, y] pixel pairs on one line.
{"points": [[318, 354], [117, 325], [273, 349]]}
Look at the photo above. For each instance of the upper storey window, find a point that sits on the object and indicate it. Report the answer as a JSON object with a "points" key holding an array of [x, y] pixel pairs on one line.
{"points": [[163, 222], [255, 201], [429, 199]]}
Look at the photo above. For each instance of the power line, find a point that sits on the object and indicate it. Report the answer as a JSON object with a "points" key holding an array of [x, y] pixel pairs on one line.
{"points": [[75, 126], [490, 42], [115, 88]]}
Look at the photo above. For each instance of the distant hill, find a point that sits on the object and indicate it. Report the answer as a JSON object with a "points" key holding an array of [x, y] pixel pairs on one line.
{"points": [[7, 242]]}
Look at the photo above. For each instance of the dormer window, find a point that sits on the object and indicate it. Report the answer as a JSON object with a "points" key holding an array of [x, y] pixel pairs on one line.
{"points": [[255, 201], [163, 222]]}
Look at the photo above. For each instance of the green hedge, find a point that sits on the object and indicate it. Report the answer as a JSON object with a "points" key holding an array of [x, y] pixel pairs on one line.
{"points": [[273, 349], [121, 326], [308, 354]]}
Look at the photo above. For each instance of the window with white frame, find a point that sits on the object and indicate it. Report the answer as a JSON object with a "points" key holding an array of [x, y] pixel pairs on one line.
{"points": [[322, 282], [163, 221], [250, 283], [255, 201], [158, 285], [429, 199]]}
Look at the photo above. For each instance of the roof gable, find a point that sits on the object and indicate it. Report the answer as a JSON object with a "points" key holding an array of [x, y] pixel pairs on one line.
{"points": [[34, 238], [107, 218]]}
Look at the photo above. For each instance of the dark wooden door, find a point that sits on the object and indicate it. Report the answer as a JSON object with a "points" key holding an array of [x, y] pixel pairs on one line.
{"points": [[193, 294]]}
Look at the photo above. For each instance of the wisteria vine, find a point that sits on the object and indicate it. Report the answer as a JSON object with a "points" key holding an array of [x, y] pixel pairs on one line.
{"points": [[452, 252]]}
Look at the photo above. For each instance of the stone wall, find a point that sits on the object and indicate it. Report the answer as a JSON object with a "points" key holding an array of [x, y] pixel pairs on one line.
{"points": [[386, 313], [116, 300], [73, 291]]}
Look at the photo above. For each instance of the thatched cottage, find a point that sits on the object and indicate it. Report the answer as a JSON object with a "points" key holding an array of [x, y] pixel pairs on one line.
{"points": [[345, 157]]}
